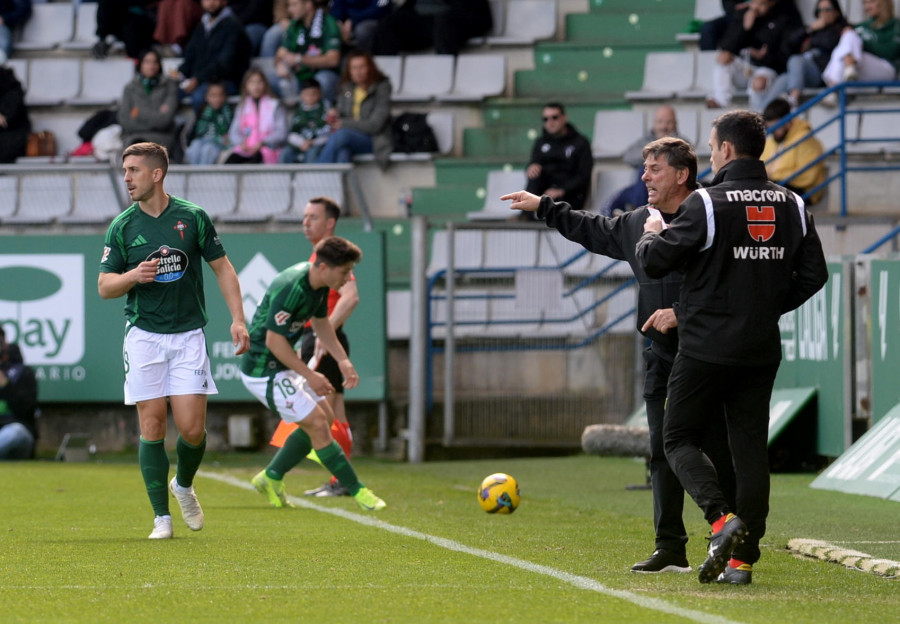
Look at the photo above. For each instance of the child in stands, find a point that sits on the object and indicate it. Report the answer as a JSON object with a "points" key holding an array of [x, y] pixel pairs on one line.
{"points": [[211, 130]]}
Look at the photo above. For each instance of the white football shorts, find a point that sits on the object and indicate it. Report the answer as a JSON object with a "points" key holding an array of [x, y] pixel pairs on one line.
{"points": [[163, 365], [287, 393]]}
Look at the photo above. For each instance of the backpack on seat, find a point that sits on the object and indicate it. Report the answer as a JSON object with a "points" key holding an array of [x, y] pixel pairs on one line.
{"points": [[410, 133]]}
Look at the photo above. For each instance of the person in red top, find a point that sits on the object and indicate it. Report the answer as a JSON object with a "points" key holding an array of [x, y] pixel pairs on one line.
{"points": [[319, 220]]}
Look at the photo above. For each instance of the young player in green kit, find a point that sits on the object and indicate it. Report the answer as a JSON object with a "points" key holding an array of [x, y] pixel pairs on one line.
{"points": [[152, 254], [273, 372]]}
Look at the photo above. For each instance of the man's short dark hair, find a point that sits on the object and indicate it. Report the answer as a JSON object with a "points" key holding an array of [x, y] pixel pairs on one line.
{"points": [[679, 154], [332, 210], [157, 154], [777, 109], [745, 130], [336, 251], [556, 105]]}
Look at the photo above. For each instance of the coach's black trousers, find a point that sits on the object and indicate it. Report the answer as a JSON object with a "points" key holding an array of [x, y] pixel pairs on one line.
{"points": [[668, 495], [698, 393]]}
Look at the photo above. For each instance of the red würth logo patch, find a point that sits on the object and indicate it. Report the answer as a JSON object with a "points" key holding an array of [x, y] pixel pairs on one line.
{"points": [[761, 222]]}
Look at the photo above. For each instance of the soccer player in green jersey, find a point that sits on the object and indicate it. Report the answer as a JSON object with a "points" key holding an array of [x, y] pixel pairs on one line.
{"points": [[152, 255], [273, 372]]}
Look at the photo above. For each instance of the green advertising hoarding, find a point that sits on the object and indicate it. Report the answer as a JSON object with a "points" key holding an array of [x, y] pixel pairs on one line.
{"points": [[73, 339], [815, 340], [884, 324]]}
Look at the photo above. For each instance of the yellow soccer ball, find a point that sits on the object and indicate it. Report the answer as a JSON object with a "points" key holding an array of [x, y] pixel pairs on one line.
{"points": [[499, 493]]}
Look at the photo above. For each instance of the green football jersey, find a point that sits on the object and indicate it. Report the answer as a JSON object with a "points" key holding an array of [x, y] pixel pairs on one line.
{"points": [[289, 302], [323, 35], [180, 237]]}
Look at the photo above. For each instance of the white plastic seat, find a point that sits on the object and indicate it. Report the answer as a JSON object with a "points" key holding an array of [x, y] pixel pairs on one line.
{"points": [[85, 28], [499, 182], [425, 77], [477, 76], [527, 21], [20, 69], [308, 184], [442, 126], [63, 126], [511, 248], [392, 67], [615, 130], [95, 199], [665, 74], [42, 198], [399, 314], [9, 190], [103, 81], [607, 182], [216, 193], [49, 26], [882, 129], [468, 250], [52, 81], [263, 195], [687, 124], [703, 72]]}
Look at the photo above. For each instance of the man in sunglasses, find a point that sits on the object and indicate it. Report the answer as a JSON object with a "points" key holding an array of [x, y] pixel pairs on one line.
{"points": [[561, 161]]}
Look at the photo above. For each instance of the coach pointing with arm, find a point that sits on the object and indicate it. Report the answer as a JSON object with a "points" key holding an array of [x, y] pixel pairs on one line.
{"points": [[749, 252]]}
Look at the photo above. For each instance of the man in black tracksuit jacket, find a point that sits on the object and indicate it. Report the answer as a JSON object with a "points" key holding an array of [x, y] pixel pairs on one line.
{"points": [[750, 253], [670, 175]]}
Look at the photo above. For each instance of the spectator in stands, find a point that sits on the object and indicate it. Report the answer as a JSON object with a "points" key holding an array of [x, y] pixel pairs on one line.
{"points": [[14, 123], [561, 161], [445, 25], [149, 103], [769, 32], [271, 41], [130, 21], [804, 70], [711, 31], [361, 120], [18, 405], [309, 126], [358, 20], [175, 21], [259, 127], [210, 133], [870, 51], [665, 124], [13, 13], [789, 159], [311, 49], [217, 50], [256, 16]]}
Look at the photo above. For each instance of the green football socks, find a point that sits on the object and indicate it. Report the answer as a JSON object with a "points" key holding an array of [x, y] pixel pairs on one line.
{"points": [[154, 463], [336, 462], [295, 448], [189, 458]]}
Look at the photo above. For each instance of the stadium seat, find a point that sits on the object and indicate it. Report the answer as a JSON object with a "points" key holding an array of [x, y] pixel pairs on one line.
{"points": [[20, 69], [477, 76], [442, 124], [262, 196], [468, 250], [687, 125], [85, 28], [555, 250], [49, 26], [314, 183], [498, 11], [63, 126], [216, 193], [527, 22], [9, 190], [95, 199], [878, 125], [399, 313], [169, 63], [615, 130], [511, 248], [499, 182], [608, 181], [52, 81], [425, 77], [103, 81], [665, 74], [176, 183], [392, 67], [42, 198], [703, 71]]}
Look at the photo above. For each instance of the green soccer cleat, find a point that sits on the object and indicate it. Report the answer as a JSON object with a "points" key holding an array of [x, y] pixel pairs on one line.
{"points": [[271, 489], [367, 500]]}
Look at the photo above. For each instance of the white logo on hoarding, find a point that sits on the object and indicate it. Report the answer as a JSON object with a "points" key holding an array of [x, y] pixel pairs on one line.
{"points": [[255, 278], [42, 306]]}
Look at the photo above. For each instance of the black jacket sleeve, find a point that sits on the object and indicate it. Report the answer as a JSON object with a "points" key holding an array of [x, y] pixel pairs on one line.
{"points": [[810, 270], [596, 233], [661, 253]]}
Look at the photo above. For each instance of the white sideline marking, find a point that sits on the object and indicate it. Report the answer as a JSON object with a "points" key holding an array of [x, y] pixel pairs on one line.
{"points": [[581, 582]]}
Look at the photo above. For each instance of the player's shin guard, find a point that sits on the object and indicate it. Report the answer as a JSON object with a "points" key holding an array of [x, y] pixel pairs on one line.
{"points": [[154, 463], [296, 447], [189, 458]]}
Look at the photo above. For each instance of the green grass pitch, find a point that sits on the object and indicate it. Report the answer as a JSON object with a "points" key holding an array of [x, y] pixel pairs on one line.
{"points": [[74, 548]]}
